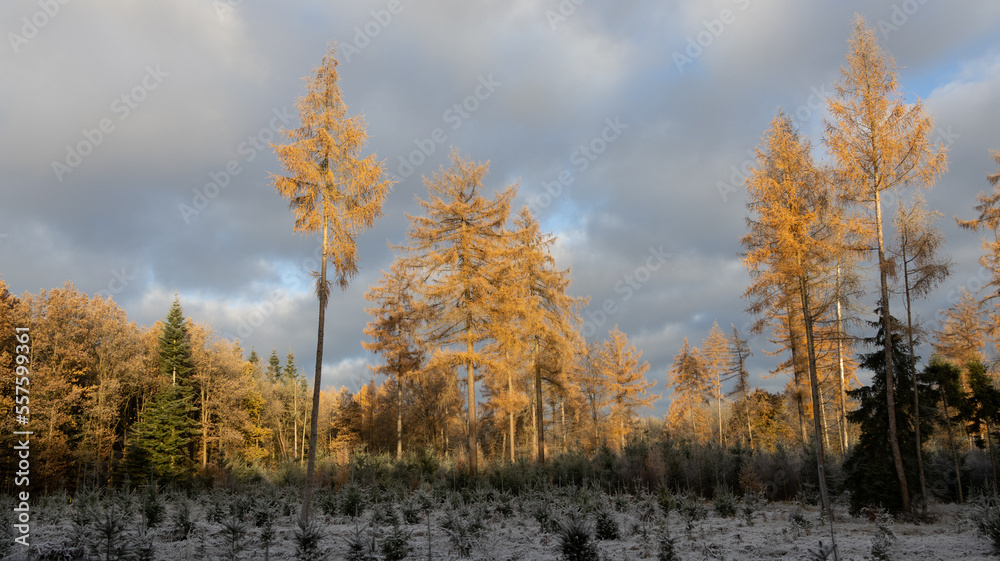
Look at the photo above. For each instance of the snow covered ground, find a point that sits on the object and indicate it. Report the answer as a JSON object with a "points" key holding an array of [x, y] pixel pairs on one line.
{"points": [[521, 527]]}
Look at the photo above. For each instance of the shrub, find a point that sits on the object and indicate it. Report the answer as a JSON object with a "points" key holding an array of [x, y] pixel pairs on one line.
{"points": [[234, 532], [751, 502], [151, 507], [724, 503], [181, 523], [575, 542], [884, 538], [691, 511], [464, 527], [668, 547], [987, 519], [396, 545], [822, 553], [307, 538], [606, 527], [798, 521], [110, 531], [352, 500]]}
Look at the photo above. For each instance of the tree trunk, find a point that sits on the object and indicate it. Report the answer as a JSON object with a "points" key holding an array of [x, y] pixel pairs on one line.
{"points": [[322, 292], [916, 393], [793, 343], [510, 416], [470, 373], [842, 416], [954, 449], [540, 407], [816, 397], [399, 417], [890, 382], [718, 399], [204, 427]]}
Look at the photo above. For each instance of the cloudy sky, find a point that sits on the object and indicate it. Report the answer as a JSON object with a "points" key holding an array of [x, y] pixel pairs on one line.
{"points": [[134, 158]]}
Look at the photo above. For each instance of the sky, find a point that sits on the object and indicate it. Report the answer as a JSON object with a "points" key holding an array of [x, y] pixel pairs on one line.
{"points": [[135, 158]]}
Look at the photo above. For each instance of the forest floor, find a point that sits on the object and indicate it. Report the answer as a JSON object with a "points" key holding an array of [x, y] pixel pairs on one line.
{"points": [[515, 528]]}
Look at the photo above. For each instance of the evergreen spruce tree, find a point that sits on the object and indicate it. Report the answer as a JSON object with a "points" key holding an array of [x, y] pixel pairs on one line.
{"points": [[164, 434], [167, 427], [175, 346], [869, 471], [273, 366]]}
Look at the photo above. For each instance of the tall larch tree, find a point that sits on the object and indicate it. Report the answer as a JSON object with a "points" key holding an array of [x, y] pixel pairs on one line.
{"points": [[715, 354], [791, 242], [880, 142], [738, 352], [918, 255], [961, 337], [394, 332], [458, 244], [595, 388], [333, 191], [550, 316], [618, 362], [689, 382]]}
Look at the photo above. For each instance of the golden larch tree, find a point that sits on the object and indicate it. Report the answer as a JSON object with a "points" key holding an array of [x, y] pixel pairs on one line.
{"points": [[689, 382], [917, 254], [459, 245], [880, 142], [715, 355], [550, 317], [332, 190], [618, 362], [394, 332], [791, 243]]}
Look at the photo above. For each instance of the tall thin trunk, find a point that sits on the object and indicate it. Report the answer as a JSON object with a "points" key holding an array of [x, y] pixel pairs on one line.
{"points": [[816, 398], [993, 460], [314, 422], [510, 415], [822, 416], [842, 416], [399, 416], [562, 415], [954, 449], [204, 427], [295, 425], [470, 373], [913, 365], [718, 400], [890, 382], [793, 343], [540, 407]]}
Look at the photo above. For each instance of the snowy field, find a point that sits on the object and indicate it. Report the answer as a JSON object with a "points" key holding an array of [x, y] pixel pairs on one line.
{"points": [[485, 525]]}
